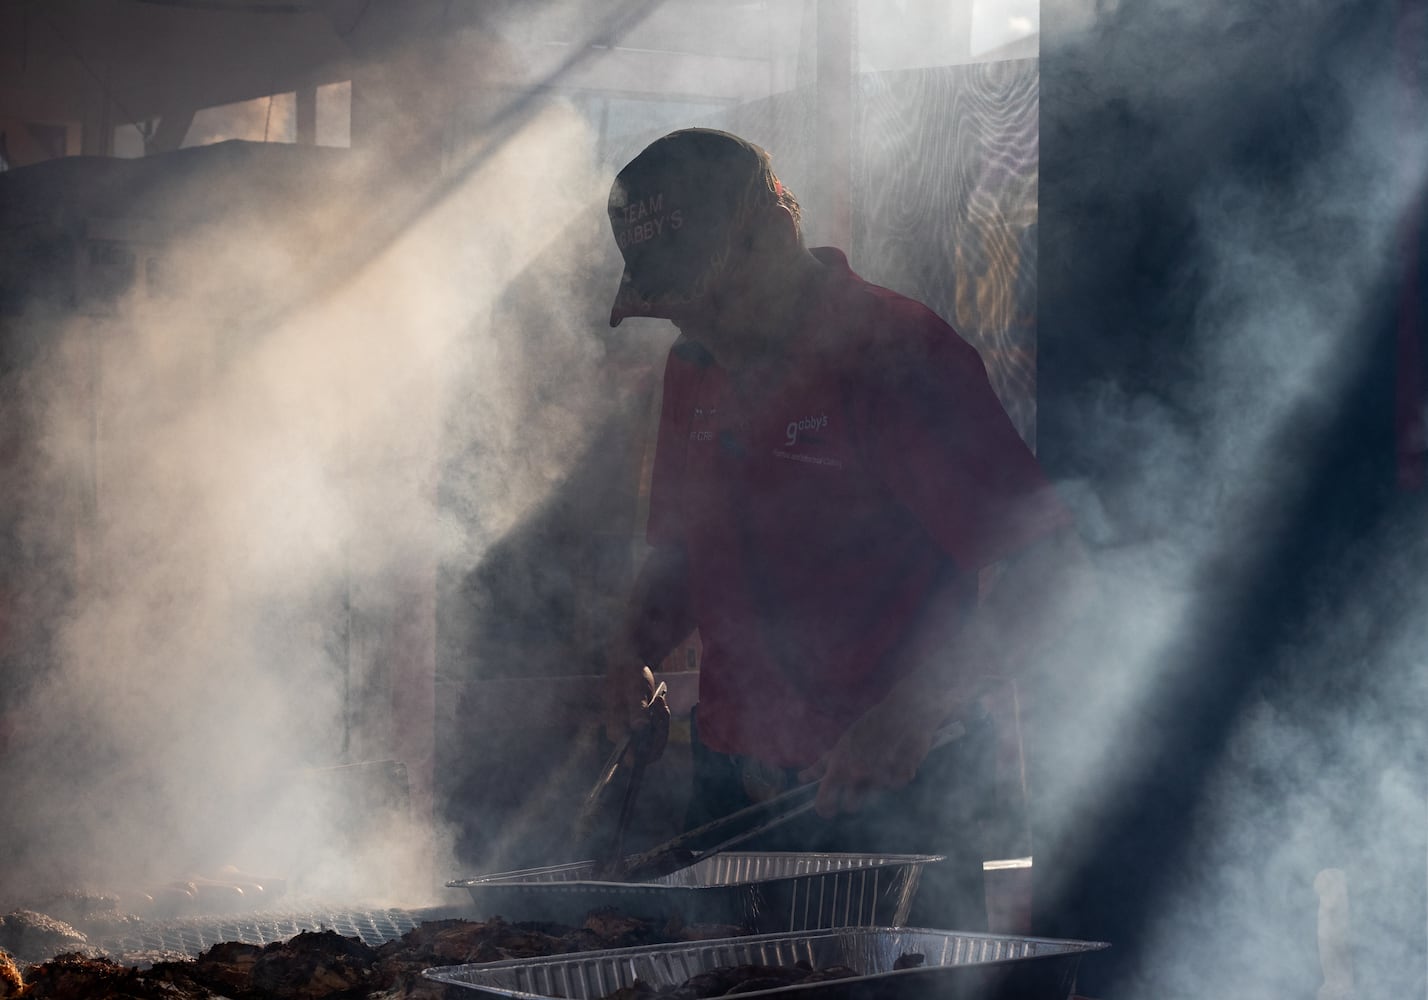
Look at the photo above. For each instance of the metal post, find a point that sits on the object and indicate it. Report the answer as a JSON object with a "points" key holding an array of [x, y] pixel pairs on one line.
{"points": [[307, 116], [834, 140]]}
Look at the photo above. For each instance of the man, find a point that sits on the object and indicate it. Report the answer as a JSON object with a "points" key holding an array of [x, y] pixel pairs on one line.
{"points": [[844, 511]]}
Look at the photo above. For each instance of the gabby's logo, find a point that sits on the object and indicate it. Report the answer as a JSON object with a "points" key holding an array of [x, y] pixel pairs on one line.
{"points": [[643, 220], [806, 424]]}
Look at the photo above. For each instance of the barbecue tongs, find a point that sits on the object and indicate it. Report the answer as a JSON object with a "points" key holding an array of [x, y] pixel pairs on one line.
{"points": [[632, 755], [721, 834]]}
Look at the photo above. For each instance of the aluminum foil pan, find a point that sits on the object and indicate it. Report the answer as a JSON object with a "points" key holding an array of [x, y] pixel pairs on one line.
{"points": [[956, 966], [760, 892]]}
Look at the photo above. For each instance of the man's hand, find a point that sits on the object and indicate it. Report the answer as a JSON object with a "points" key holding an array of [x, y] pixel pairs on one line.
{"points": [[635, 707], [883, 749], [652, 735], [625, 691], [657, 620]]}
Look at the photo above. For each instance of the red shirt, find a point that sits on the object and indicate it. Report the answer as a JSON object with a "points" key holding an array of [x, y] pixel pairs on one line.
{"points": [[821, 498]]}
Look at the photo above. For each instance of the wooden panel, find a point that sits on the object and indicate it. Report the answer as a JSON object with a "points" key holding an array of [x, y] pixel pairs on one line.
{"points": [[945, 207]]}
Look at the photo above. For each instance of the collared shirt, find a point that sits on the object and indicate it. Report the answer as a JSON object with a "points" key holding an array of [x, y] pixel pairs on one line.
{"points": [[822, 498]]}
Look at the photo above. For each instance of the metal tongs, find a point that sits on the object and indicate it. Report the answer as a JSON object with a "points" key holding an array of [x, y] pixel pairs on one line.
{"points": [[634, 753], [694, 845]]}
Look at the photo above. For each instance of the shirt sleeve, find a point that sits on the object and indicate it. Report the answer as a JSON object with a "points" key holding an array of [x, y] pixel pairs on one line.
{"points": [[941, 442]]}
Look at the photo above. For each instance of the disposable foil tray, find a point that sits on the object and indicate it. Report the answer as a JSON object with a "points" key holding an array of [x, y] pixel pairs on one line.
{"points": [[956, 966], [758, 892]]}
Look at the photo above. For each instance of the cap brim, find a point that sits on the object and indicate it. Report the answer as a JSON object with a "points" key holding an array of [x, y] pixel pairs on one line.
{"points": [[629, 302]]}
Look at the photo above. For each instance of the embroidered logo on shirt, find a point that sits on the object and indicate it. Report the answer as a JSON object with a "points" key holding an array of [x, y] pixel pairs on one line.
{"points": [[700, 413], [815, 423], [830, 461]]}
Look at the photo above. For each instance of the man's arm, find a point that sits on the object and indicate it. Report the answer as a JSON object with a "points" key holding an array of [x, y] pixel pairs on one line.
{"points": [[657, 619], [1028, 600]]}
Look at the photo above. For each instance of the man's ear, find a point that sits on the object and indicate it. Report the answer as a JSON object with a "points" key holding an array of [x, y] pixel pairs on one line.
{"points": [[770, 231], [779, 227]]}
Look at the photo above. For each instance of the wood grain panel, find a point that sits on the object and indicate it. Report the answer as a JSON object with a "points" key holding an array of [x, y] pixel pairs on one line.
{"points": [[944, 195]]}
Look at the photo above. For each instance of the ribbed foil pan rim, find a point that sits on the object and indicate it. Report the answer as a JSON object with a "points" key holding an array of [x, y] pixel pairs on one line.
{"points": [[593, 974]]}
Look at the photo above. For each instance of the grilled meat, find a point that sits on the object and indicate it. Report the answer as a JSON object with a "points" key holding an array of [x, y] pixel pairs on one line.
{"points": [[622, 931], [10, 981], [312, 965], [327, 966], [76, 977], [35, 937], [225, 968]]}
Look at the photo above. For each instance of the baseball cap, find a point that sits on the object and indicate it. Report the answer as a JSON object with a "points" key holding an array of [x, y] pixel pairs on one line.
{"points": [[674, 209]]}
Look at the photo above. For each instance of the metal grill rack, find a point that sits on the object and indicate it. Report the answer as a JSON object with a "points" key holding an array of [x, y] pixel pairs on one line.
{"points": [[194, 935]]}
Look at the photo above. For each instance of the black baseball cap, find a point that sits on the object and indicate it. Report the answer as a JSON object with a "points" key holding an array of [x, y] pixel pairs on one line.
{"points": [[673, 210]]}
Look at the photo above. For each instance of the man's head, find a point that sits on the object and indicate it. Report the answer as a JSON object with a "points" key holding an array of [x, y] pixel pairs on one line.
{"points": [[683, 212]]}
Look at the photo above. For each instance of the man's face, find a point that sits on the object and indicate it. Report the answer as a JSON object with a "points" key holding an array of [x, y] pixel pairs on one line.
{"points": [[680, 280], [667, 239], [737, 299], [716, 291], [709, 312]]}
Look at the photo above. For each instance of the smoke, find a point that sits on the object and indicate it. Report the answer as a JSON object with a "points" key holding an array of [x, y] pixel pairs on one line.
{"points": [[243, 461], [1250, 638]]}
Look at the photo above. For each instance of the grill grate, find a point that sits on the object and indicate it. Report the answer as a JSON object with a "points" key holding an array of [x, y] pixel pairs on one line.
{"points": [[195, 935]]}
